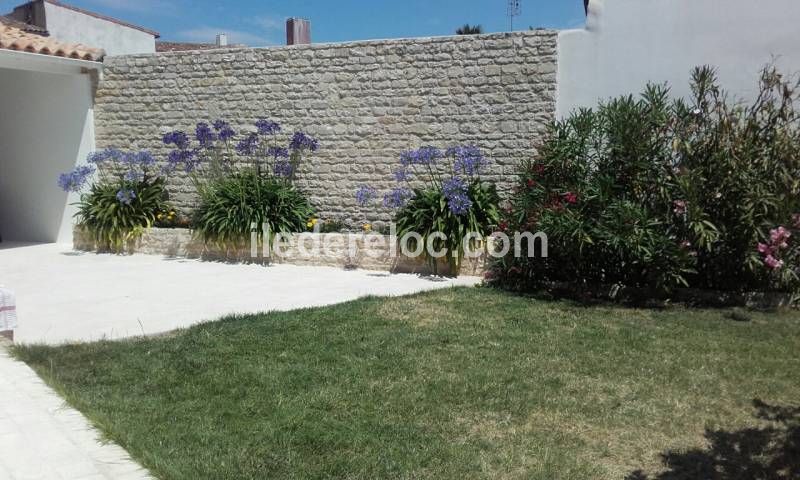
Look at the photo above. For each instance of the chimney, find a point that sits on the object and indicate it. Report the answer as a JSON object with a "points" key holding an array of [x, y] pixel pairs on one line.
{"points": [[222, 40], [298, 31]]}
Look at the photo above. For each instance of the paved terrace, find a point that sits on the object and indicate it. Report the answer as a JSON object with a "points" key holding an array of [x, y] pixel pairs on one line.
{"points": [[65, 296]]}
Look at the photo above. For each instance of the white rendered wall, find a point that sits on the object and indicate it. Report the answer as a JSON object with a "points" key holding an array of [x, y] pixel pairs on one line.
{"points": [[71, 26], [627, 43], [46, 128]]}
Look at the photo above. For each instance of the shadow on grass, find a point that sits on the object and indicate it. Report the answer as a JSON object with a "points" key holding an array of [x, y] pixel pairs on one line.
{"points": [[768, 453]]}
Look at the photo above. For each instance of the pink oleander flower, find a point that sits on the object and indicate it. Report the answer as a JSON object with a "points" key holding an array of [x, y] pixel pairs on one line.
{"points": [[571, 198], [680, 207], [764, 249], [773, 262], [686, 244], [779, 236]]}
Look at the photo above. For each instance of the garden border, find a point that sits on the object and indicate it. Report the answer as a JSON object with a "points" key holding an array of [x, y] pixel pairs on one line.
{"points": [[183, 243]]}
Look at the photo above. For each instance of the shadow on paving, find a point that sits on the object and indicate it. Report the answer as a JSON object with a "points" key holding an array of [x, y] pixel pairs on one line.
{"points": [[768, 453]]}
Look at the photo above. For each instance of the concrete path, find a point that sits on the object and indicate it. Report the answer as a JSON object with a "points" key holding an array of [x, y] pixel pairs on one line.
{"points": [[66, 296], [42, 439]]}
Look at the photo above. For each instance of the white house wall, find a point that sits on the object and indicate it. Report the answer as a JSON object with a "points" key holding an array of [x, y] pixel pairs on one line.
{"points": [[46, 128], [628, 43], [71, 26]]}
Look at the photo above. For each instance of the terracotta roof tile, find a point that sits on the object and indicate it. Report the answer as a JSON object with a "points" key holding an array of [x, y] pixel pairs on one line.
{"points": [[14, 38]]}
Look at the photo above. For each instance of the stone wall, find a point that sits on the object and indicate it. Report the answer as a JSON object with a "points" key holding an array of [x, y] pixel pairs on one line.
{"points": [[365, 101]]}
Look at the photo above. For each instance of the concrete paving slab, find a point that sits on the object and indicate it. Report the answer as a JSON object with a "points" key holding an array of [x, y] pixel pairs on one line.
{"points": [[68, 296]]}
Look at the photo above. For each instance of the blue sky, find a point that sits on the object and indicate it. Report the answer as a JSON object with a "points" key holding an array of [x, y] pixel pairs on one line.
{"points": [[261, 22]]}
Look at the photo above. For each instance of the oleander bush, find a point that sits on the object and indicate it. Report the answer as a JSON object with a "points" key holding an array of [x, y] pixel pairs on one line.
{"points": [[124, 199], [442, 198], [662, 193], [244, 181]]}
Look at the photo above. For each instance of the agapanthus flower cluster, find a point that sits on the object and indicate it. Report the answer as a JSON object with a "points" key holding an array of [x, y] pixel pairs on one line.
{"points": [[469, 160], [204, 135], [248, 145], [397, 198], [427, 156], [283, 169], [456, 191], [217, 145], [278, 152], [365, 195], [770, 252], [188, 159], [113, 164], [402, 175], [301, 141], [224, 130], [75, 180], [425, 165], [267, 127], [177, 138], [126, 196]]}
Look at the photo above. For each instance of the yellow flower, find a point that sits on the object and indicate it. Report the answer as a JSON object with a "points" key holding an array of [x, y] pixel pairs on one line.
{"points": [[367, 227], [160, 216], [312, 222]]}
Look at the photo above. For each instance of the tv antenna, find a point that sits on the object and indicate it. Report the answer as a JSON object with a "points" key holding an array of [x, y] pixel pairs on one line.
{"points": [[514, 10]]}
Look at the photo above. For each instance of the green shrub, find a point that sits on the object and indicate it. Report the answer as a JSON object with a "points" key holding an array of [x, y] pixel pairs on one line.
{"points": [[653, 192], [243, 179], [428, 212], [125, 200], [441, 193], [115, 213], [231, 204]]}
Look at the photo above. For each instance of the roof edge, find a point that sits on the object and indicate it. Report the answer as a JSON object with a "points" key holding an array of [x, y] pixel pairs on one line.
{"points": [[101, 17]]}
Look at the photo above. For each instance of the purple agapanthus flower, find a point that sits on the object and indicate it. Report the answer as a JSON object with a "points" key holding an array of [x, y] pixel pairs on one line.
{"points": [[248, 145], [224, 130], [267, 127], [145, 159], [365, 195], [278, 152], [177, 138], [96, 158], [469, 160], [75, 180], [188, 158], [204, 135], [133, 176], [108, 154], [397, 198], [301, 141], [455, 190], [402, 175], [283, 168], [126, 196], [421, 156]]}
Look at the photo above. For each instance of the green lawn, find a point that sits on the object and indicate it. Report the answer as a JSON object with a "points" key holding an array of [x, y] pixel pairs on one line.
{"points": [[458, 384]]}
